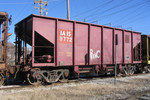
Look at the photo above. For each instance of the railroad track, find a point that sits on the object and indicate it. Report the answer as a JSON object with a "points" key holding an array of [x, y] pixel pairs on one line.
{"points": [[16, 87], [10, 87]]}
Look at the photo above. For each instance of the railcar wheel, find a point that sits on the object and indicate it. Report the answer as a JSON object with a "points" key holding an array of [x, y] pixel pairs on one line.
{"points": [[131, 70], [1, 79], [128, 70], [146, 69], [124, 70], [64, 77], [33, 77]]}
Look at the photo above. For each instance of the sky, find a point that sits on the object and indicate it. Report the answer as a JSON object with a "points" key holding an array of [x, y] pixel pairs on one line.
{"points": [[127, 14]]}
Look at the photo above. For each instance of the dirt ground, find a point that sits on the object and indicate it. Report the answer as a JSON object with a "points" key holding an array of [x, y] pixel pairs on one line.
{"points": [[97, 89]]}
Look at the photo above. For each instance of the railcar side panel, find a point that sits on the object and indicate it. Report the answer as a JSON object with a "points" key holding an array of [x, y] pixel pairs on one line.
{"points": [[44, 40], [81, 44], [46, 28], [119, 46], [127, 48], [95, 45], [107, 46], [64, 43], [136, 47]]}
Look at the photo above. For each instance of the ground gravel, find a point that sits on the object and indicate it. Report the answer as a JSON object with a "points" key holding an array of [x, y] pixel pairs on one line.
{"points": [[96, 89]]}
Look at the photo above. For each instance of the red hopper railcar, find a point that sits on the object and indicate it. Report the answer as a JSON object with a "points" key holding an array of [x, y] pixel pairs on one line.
{"points": [[63, 47]]}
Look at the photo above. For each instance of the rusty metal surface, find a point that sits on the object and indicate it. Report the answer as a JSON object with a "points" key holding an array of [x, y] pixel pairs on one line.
{"points": [[2, 66], [4, 33], [3, 16]]}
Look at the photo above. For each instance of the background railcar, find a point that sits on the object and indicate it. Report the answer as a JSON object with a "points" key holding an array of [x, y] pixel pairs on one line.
{"points": [[146, 52]]}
